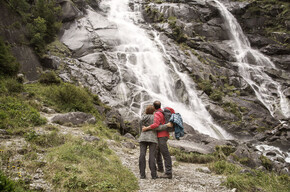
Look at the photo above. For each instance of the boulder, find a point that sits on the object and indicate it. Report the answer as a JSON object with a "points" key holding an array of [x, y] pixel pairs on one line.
{"points": [[275, 49], [114, 120], [91, 138], [219, 113], [247, 156], [75, 118], [129, 136], [69, 11]]}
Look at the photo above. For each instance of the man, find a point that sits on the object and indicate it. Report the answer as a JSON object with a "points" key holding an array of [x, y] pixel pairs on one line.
{"points": [[162, 136]]}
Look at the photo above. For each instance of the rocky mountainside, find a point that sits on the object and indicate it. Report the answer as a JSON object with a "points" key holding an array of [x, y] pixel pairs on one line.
{"points": [[197, 39], [224, 65]]}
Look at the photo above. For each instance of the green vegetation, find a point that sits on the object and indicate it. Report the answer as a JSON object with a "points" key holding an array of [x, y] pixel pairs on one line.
{"points": [[177, 31], [49, 78], [8, 185], [16, 113], [252, 180], [46, 140], [65, 97], [83, 166], [42, 19], [191, 157], [8, 64]]}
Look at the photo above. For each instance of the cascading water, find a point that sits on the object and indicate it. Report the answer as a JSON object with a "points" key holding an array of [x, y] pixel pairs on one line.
{"points": [[251, 65], [150, 77]]}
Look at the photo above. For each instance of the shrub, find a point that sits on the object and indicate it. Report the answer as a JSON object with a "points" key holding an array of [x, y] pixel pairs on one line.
{"points": [[49, 78], [206, 86], [216, 95], [8, 64], [13, 86], [69, 97]]}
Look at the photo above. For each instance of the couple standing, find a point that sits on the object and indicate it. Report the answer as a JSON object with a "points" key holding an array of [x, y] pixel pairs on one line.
{"points": [[155, 135]]}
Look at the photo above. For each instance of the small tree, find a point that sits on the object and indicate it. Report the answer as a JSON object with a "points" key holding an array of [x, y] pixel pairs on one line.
{"points": [[8, 64]]}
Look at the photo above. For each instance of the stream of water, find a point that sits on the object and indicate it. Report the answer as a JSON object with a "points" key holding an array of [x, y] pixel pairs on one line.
{"points": [[153, 78], [252, 66]]}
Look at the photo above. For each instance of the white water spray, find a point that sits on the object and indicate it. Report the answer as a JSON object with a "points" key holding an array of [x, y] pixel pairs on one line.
{"points": [[251, 67], [150, 77]]}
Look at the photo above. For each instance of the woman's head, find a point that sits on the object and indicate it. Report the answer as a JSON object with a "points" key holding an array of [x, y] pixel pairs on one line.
{"points": [[150, 109]]}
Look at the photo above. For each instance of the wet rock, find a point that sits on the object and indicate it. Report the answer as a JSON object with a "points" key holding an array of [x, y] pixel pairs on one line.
{"points": [[275, 49], [259, 41], [76, 118]]}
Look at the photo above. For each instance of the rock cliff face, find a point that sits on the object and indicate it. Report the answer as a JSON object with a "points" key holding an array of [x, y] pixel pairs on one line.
{"points": [[200, 30], [197, 38], [14, 33]]}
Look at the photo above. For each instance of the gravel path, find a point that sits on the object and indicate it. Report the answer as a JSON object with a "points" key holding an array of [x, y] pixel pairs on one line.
{"points": [[187, 177]]}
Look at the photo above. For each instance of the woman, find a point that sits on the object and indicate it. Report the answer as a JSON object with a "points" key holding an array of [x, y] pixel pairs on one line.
{"points": [[147, 139]]}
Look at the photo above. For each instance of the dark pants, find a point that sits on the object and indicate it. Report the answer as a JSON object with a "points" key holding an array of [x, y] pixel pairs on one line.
{"points": [[142, 160], [163, 150]]}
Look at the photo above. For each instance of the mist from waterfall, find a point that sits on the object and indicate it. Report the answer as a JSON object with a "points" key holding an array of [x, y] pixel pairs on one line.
{"points": [[144, 58], [251, 65]]}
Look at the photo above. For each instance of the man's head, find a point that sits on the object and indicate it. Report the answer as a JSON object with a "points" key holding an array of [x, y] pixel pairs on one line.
{"points": [[157, 105]]}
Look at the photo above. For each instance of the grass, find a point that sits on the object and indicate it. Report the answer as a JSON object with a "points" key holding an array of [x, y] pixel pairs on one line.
{"points": [[16, 113], [82, 166], [252, 180], [71, 163], [191, 157], [8, 185]]}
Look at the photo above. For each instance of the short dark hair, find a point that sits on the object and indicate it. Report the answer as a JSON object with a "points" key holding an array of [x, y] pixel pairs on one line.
{"points": [[149, 109], [157, 104]]}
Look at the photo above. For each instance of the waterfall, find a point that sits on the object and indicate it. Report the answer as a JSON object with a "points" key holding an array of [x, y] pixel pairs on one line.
{"points": [[251, 65], [151, 78]]}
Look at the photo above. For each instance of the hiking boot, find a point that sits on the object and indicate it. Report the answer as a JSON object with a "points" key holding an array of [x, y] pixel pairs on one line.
{"points": [[142, 177], [166, 176], [155, 177], [160, 170]]}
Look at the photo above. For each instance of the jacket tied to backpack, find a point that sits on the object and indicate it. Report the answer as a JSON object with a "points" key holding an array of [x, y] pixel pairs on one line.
{"points": [[177, 121]]}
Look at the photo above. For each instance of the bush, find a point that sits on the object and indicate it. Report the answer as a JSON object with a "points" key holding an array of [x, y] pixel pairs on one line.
{"points": [[216, 95], [49, 78], [13, 86], [69, 97], [206, 86], [8, 64]]}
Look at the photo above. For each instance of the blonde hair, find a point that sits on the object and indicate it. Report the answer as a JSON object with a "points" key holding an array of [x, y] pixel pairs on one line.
{"points": [[149, 109]]}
